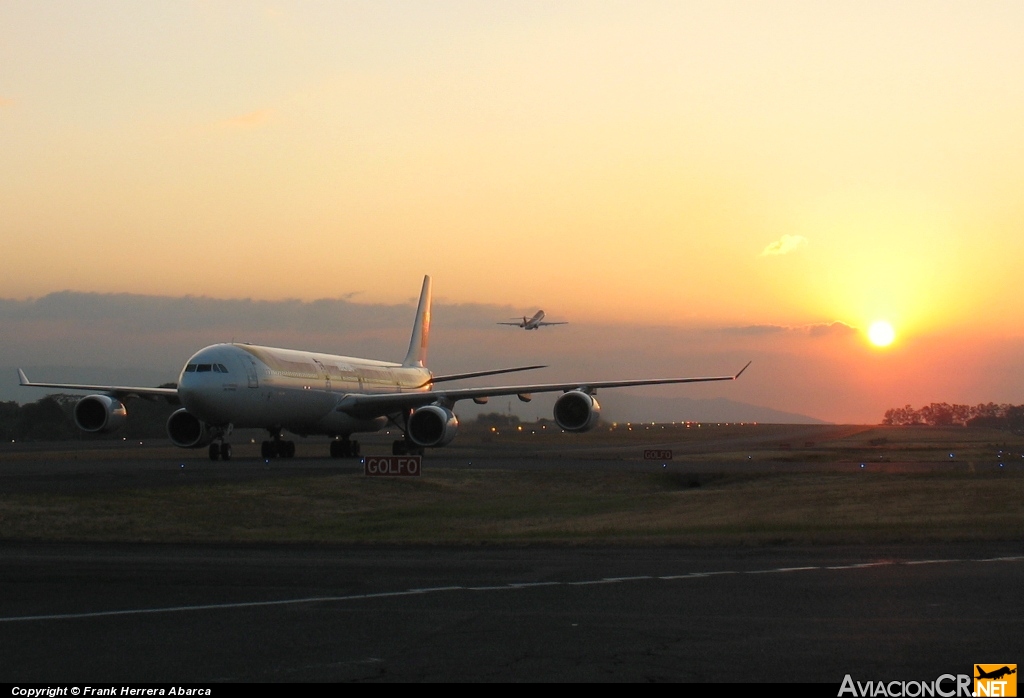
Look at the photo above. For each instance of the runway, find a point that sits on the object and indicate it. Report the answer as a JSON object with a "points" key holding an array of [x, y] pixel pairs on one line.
{"points": [[152, 613], [112, 613]]}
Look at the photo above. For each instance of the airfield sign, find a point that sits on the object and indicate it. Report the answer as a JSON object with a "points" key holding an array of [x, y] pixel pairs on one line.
{"points": [[392, 466]]}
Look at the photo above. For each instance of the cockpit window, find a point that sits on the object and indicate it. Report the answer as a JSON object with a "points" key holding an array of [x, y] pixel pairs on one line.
{"points": [[206, 368]]}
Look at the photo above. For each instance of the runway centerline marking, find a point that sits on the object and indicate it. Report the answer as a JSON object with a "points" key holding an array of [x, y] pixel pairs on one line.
{"points": [[498, 587]]}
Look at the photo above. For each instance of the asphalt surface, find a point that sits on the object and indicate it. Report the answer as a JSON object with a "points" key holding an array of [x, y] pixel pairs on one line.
{"points": [[103, 613], [149, 613]]}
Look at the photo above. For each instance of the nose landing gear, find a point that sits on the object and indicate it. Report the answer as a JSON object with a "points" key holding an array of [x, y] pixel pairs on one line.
{"points": [[220, 451], [344, 448], [277, 447]]}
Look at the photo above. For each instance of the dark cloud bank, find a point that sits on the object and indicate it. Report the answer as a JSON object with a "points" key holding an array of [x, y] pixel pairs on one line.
{"points": [[129, 338]]}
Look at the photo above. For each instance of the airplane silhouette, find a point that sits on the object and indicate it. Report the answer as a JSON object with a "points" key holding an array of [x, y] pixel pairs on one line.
{"points": [[532, 323]]}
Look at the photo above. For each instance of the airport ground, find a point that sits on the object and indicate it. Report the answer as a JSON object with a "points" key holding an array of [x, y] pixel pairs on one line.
{"points": [[756, 553]]}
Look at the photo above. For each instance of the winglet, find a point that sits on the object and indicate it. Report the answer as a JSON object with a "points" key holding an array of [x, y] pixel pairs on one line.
{"points": [[22, 378], [417, 354], [742, 370]]}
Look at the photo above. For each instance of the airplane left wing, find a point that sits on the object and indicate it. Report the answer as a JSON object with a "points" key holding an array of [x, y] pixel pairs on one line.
{"points": [[374, 405], [477, 374], [119, 391]]}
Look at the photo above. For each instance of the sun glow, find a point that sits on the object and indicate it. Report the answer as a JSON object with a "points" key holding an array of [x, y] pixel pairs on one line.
{"points": [[881, 333]]}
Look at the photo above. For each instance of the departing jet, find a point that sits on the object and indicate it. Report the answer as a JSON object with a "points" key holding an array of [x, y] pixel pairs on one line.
{"points": [[233, 386], [532, 323]]}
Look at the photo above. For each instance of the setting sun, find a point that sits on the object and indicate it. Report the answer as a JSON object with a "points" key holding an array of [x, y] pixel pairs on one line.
{"points": [[881, 334]]}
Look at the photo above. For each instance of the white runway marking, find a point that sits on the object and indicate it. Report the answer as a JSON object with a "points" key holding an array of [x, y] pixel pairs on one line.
{"points": [[782, 569], [694, 575], [499, 587]]}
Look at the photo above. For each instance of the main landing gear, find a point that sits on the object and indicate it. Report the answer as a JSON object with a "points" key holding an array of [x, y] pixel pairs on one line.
{"points": [[344, 448], [404, 447]]}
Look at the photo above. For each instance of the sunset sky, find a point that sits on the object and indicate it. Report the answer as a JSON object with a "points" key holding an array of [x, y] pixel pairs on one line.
{"points": [[744, 180]]}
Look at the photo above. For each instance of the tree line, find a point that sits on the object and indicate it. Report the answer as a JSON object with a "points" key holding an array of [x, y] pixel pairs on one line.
{"points": [[942, 414], [52, 419]]}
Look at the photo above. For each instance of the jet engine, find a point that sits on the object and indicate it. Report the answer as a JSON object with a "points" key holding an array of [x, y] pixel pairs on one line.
{"points": [[187, 431], [577, 411], [432, 425], [99, 414]]}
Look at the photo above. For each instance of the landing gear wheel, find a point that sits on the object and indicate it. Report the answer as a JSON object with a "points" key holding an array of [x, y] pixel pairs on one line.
{"points": [[214, 451], [277, 448], [344, 448], [225, 451]]}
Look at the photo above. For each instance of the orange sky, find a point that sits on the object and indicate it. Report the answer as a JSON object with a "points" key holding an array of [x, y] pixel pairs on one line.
{"points": [[692, 165]]}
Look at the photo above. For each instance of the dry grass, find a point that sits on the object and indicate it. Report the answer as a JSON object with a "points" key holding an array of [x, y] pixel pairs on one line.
{"points": [[575, 507]]}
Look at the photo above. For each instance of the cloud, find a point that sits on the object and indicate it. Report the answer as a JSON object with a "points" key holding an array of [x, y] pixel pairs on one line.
{"points": [[836, 329], [822, 329], [756, 330], [784, 245]]}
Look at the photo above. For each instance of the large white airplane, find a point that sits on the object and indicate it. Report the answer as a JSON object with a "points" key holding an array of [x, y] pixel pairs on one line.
{"points": [[230, 386], [532, 323]]}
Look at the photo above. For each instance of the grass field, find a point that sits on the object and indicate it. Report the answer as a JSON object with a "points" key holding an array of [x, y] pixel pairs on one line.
{"points": [[728, 485]]}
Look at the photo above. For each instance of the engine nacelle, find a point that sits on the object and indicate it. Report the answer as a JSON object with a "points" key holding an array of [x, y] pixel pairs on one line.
{"points": [[187, 431], [98, 414], [577, 411], [432, 425]]}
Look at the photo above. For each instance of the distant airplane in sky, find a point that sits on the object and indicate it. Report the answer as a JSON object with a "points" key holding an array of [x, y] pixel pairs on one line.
{"points": [[532, 323], [229, 386]]}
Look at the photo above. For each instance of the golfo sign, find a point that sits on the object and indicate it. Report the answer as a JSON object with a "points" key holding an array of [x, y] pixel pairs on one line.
{"points": [[393, 466], [658, 454]]}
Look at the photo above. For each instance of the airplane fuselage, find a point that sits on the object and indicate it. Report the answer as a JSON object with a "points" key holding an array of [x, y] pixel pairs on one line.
{"points": [[254, 386], [533, 322]]}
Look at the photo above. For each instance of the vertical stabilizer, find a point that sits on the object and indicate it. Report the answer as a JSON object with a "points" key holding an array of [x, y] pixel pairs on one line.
{"points": [[417, 355]]}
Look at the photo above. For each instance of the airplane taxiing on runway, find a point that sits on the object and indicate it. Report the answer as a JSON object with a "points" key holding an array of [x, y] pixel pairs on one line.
{"points": [[232, 386], [532, 323]]}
